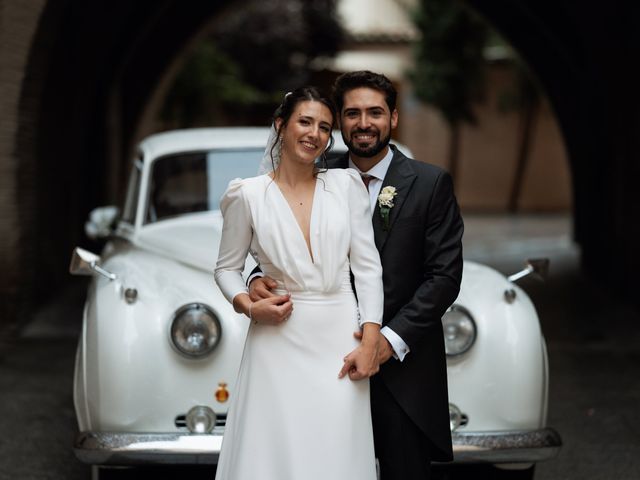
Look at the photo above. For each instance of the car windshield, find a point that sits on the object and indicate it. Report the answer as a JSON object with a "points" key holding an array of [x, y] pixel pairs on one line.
{"points": [[195, 181]]}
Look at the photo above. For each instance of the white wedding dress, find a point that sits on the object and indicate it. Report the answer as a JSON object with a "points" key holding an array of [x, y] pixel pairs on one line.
{"points": [[291, 417]]}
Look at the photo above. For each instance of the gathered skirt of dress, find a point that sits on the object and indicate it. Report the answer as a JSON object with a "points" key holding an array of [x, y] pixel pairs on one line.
{"points": [[291, 418]]}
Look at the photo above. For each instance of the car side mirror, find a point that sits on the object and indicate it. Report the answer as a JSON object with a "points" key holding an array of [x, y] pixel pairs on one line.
{"points": [[101, 222], [537, 267], [83, 262]]}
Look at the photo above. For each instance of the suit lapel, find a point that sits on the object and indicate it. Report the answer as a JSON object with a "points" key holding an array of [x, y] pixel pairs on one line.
{"points": [[401, 176]]}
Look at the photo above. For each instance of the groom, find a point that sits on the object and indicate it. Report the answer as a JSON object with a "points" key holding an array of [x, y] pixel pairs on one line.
{"points": [[418, 234]]}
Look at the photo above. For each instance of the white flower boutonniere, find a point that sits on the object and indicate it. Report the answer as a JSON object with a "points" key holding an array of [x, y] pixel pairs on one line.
{"points": [[385, 202]]}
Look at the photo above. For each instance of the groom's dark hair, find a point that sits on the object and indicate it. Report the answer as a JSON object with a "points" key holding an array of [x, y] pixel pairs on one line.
{"points": [[363, 79]]}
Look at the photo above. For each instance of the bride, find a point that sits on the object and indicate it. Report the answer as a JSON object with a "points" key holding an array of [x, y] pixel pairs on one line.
{"points": [[301, 407]]}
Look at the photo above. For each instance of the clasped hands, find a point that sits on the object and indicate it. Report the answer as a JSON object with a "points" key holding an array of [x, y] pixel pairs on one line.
{"points": [[363, 362]]}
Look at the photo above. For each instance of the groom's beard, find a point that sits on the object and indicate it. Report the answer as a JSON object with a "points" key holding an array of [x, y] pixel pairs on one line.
{"points": [[370, 151]]}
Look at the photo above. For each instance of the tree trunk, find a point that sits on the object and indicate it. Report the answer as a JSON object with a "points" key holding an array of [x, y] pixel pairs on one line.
{"points": [[454, 151], [527, 128]]}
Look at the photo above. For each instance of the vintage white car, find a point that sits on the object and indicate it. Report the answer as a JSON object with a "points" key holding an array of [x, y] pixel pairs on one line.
{"points": [[160, 347]]}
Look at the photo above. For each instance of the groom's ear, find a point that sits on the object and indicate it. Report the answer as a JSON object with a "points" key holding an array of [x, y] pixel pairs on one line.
{"points": [[394, 119]]}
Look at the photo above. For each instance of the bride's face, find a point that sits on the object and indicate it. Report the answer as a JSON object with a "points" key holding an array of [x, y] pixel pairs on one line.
{"points": [[306, 134]]}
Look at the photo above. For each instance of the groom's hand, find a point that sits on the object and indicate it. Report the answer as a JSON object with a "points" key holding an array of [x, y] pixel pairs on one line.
{"points": [[260, 288], [361, 363], [385, 350]]}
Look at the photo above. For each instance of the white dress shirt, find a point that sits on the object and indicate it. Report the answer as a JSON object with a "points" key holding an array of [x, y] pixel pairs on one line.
{"points": [[377, 174]]}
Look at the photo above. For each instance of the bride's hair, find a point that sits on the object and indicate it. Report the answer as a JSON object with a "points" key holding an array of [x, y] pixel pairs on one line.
{"points": [[287, 107]]}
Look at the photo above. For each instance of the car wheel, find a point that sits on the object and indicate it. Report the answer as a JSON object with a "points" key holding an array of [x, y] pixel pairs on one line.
{"points": [[166, 472], [512, 474], [110, 473], [480, 472]]}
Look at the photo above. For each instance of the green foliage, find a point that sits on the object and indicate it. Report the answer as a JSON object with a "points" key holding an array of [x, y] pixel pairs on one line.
{"points": [[274, 41], [207, 79], [255, 55], [523, 92], [450, 65]]}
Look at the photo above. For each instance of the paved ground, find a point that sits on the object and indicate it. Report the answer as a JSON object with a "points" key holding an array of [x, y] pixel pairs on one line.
{"points": [[594, 351], [594, 347]]}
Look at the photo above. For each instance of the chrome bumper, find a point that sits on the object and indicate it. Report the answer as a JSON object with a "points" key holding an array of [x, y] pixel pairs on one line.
{"points": [[527, 446], [110, 448]]}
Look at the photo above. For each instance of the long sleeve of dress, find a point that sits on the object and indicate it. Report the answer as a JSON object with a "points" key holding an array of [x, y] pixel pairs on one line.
{"points": [[363, 254], [234, 242]]}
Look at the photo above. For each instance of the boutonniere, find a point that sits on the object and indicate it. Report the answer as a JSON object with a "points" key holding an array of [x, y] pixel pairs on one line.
{"points": [[385, 202]]}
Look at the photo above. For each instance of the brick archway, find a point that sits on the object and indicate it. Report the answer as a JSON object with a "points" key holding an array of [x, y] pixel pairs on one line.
{"points": [[92, 73], [93, 68], [583, 54]]}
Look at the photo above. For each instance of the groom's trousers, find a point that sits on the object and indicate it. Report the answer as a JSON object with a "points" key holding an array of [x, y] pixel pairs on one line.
{"points": [[403, 450]]}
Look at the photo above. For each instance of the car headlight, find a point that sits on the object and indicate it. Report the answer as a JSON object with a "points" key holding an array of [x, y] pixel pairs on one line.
{"points": [[195, 330], [459, 330]]}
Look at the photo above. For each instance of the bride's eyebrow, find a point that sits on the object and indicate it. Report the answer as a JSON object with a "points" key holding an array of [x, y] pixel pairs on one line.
{"points": [[310, 118]]}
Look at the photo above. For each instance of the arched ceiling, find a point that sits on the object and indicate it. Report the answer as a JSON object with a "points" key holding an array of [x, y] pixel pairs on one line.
{"points": [[95, 67]]}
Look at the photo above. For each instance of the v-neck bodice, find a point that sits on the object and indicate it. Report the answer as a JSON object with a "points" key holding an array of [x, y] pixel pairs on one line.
{"points": [[258, 219], [287, 206], [279, 244]]}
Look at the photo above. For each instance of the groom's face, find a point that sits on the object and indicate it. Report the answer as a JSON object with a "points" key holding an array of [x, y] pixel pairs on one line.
{"points": [[366, 122]]}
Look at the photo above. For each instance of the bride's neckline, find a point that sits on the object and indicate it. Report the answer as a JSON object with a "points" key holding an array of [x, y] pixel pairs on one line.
{"points": [[305, 236]]}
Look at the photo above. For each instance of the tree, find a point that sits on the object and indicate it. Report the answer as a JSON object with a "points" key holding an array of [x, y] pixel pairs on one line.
{"points": [[524, 96], [251, 59], [450, 66], [208, 81], [274, 41]]}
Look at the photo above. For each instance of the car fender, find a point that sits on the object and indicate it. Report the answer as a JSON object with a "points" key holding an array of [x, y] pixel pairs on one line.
{"points": [[128, 371], [501, 382]]}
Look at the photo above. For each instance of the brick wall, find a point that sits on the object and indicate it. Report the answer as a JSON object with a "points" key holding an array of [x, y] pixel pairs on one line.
{"points": [[488, 152], [18, 23]]}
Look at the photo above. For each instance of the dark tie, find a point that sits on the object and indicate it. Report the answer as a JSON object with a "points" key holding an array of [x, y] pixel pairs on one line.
{"points": [[366, 179]]}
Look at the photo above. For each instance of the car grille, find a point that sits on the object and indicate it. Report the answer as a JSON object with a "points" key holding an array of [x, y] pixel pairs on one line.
{"points": [[181, 421]]}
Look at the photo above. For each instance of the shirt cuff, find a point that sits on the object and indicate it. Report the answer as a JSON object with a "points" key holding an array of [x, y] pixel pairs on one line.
{"points": [[400, 348], [255, 275]]}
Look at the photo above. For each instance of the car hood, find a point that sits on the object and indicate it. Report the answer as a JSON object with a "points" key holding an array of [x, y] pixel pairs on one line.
{"points": [[192, 239]]}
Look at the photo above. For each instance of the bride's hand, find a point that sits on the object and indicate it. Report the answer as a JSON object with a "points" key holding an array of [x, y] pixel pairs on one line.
{"points": [[272, 311]]}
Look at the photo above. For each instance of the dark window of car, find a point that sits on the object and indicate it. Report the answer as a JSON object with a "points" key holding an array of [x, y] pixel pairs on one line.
{"points": [[133, 192], [195, 181]]}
